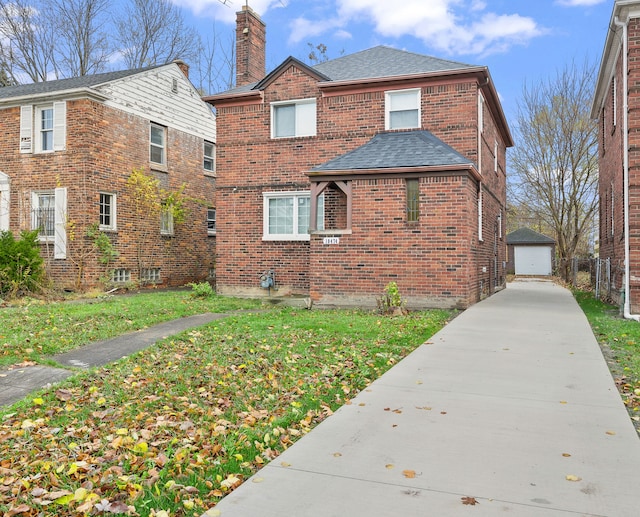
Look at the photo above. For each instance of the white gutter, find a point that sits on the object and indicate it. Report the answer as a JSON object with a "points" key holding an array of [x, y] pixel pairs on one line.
{"points": [[625, 157]]}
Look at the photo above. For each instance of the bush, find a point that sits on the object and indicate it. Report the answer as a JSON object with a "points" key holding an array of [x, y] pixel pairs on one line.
{"points": [[391, 301], [21, 266], [201, 290]]}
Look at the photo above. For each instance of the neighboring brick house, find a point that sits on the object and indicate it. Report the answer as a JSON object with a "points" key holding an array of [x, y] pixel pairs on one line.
{"points": [[616, 106], [67, 150], [339, 178]]}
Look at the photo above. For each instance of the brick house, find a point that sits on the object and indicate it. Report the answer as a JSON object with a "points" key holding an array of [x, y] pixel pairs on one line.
{"points": [[338, 178], [615, 107], [67, 150]]}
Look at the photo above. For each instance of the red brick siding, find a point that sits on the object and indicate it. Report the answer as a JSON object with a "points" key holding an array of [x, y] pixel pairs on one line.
{"points": [[442, 250], [103, 146]]}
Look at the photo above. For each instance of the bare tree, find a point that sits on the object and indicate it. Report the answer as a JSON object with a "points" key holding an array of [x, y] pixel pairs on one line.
{"points": [[215, 68], [554, 163], [152, 32], [82, 42], [26, 42]]}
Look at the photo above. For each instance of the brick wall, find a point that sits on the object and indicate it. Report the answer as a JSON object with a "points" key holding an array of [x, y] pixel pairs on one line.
{"points": [[437, 262], [103, 146]]}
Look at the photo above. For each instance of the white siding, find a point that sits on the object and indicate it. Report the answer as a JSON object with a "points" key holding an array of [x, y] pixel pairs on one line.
{"points": [[150, 95]]}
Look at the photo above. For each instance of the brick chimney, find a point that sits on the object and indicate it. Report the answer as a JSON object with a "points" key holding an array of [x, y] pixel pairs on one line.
{"points": [[183, 66], [250, 47]]}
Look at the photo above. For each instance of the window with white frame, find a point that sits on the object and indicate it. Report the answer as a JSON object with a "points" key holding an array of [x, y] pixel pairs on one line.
{"points": [[43, 214], [43, 127], [107, 211], [158, 144], [166, 220], [287, 215], [211, 221], [49, 217], [293, 118], [402, 109], [209, 163]]}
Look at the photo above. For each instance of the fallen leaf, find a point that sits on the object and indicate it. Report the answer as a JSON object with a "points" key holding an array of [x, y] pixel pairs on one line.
{"points": [[409, 473], [563, 402], [23, 508], [337, 454], [257, 480], [470, 501], [611, 433], [566, 454], [571, 477], [285, 464]]}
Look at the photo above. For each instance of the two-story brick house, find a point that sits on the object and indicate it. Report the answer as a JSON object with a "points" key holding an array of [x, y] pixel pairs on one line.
{"points": [[67, 151], [615, 106], [375, 167]]}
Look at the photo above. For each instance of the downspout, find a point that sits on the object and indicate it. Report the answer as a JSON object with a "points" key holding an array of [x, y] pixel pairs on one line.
{"points": [[625, 160]]}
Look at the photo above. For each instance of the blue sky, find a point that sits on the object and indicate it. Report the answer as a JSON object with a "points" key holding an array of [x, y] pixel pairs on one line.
{"points": [[519, 40]]}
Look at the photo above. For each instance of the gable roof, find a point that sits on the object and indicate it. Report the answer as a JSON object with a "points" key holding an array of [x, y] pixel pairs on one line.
{"points": [[404, 149], [528, 236], [382, 61], [73, 83]]}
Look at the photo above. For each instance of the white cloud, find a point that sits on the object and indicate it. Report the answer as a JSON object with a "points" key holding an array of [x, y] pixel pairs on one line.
{"points": [[225, 10], [579, 3], [457, 27]]}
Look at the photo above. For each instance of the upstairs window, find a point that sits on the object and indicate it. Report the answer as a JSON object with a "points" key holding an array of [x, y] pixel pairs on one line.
{"points": [[402, 109], [293, 118], [209, 163], [157, 144], [43, 128]]}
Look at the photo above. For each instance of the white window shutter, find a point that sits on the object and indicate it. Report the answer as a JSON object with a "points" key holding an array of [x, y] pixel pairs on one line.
{"points": [[4, 202], [26, 129], [60, 241], [59, 125]]}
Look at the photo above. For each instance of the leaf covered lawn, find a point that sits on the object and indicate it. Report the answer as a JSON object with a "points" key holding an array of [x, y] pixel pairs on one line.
{"points": [[173, 429]]}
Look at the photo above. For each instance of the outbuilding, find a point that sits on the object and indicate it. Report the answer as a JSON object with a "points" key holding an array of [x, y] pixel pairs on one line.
{"points": [[530, 253]]}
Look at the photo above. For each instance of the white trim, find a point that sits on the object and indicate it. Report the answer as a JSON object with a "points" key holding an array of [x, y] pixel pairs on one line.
{"points": [[306, 117], [295, 236], [59, 125], [60, 224], [26, 129], [388, 95], [5, 197], [114, 203]]}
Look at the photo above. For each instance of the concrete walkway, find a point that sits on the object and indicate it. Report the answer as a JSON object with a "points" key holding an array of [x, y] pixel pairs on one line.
{"points": [[17, 383], [511, 407]]}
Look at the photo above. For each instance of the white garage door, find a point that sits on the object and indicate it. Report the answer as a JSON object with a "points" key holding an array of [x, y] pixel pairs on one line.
{"points": [[532, 260]]}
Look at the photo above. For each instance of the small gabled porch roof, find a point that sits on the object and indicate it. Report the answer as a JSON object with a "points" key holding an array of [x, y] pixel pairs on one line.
{"points": [[406, 153]]}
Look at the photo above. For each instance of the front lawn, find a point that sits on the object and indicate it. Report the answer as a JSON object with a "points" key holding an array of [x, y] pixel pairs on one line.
{"points": [[178, 426]]}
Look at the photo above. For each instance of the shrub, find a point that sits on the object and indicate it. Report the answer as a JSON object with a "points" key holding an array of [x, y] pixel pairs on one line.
{"points": [[21, 266], [201, 290], [391, 302]]}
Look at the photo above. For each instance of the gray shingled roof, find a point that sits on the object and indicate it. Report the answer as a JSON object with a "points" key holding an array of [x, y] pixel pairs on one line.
{"points": [[528, 236], [87, 81], [397, 149], [384, 61], [380, 61]]}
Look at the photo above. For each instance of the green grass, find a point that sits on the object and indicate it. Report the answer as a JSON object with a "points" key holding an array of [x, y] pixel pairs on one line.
{"points": [[180, 425], [620, 342], [32, 331]]}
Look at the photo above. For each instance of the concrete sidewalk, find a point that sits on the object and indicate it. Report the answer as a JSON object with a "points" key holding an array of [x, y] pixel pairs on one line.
{"points": [[17, 383], [497, 409]]}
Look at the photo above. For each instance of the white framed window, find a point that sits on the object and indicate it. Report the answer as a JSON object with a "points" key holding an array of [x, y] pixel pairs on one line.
{"points": [[293, 118], [286, 215], [166, 220], [49, 217], [107, 209], [43, 214], [209, 163], [150, 275], [120, 276], [158, 144], [402, 109], [43, 128], [211, 221]]}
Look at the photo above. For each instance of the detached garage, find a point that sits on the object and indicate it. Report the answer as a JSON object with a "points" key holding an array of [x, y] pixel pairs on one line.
{"points": [[530, 253]]}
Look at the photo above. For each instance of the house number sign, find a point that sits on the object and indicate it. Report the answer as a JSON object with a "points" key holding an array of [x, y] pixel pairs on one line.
{"points": [[331, 240]]}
